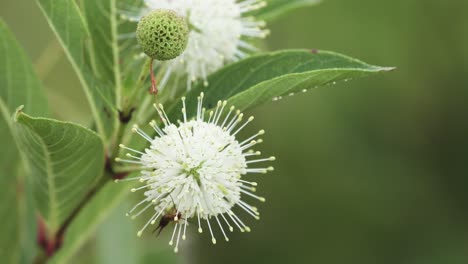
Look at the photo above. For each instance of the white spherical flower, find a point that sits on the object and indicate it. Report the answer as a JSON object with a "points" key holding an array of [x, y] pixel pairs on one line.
{"points": [[196, 170], [220, 30]]}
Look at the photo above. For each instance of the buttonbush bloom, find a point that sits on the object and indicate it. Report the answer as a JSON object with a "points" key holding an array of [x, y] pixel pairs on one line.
{"points": [[220, 32], [196, 169]]}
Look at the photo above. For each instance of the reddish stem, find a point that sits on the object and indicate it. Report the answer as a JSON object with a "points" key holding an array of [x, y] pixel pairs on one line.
{"points": [[154, 89], [41, 233], [50, 245]]}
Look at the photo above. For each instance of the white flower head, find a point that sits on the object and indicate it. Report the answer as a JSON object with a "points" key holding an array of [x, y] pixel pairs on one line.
{"points": [[196, 169], [220, 30]]}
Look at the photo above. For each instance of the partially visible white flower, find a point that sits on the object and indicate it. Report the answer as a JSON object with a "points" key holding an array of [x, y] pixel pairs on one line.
{"points": [[219, 35], [196, 169]]}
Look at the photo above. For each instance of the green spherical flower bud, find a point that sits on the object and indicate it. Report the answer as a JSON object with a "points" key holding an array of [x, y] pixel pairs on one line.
{"points": [[162, 34]]}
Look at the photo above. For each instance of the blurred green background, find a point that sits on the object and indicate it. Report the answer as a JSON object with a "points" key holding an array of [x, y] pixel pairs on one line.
{"points": [[370, 171]]}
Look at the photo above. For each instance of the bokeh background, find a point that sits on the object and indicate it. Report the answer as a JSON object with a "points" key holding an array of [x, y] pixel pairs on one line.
{"points": [[369, 171]]}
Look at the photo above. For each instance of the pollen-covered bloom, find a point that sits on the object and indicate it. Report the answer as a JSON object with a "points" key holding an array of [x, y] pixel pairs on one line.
{"points": [[220, 32], [197, 169]]}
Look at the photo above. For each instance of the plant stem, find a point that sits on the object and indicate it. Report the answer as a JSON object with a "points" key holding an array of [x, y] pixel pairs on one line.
{"points": [[50, 245], [137, 90], [59, 235], [115, 149]]}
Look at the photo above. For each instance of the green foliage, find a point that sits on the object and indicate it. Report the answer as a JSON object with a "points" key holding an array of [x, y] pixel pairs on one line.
{"points": [[65, 160], [69, 24], [93, 214], [163, 34], [18, 85], [276, 8], [265, 77], [103, 34], [10, 211]]}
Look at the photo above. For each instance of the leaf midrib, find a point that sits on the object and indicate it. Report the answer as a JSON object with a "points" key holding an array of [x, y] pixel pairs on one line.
{"points": [[116, 54], [50, 182]]}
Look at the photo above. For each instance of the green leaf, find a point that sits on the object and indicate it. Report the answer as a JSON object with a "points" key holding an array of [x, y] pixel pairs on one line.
{"points": [[18, 85], [65, 160], [68, 23], [270, 76], [10, 211], [101, 16], [277, 8]]}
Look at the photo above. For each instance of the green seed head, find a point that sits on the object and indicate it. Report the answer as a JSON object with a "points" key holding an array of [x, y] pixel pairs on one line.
{"points": [[162, 34]]}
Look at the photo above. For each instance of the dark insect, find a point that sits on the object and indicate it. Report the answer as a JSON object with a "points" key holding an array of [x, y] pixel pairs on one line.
{"points": [[170, 216]]}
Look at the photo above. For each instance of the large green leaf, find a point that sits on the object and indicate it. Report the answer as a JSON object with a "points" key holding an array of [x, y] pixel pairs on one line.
{"points": [[276, 8], [101, 16], [18, 85], [68, 23], [266, 77], [65, 160]]}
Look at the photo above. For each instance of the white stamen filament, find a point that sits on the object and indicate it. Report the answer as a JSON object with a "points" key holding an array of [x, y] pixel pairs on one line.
{"points": [[173, 234], [176, 249], [213, 239], [227, 223], [222, 230]]}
